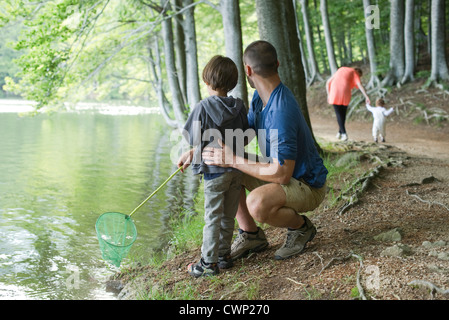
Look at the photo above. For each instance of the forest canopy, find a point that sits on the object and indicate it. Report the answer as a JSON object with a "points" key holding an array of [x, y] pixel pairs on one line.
{"points": [[152, 52]]}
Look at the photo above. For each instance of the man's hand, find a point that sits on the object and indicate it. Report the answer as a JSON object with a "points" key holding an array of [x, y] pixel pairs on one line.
{"points": [[270, 172], [223, 157]]}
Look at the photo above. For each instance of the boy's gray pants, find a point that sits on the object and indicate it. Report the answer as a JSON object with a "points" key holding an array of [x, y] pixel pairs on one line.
{"points": [[221, 200]]}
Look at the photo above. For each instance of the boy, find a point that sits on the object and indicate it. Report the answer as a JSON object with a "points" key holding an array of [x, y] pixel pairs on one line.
{"points": [[208, 122], [379, 113]]}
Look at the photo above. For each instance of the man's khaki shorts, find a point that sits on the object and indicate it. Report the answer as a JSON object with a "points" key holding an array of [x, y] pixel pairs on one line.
{"points": [[300, 196]]}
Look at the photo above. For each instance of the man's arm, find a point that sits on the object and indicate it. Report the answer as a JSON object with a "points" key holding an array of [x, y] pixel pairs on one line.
{"points": [[271, 172]]}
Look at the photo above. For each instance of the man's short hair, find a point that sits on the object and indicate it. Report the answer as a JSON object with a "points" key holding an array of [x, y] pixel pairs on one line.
{"points": [[262, 57], [221, 73]]}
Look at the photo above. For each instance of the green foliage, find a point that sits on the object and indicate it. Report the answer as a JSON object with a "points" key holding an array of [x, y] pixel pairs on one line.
{"points": [[64, 47], [7, 54], [46, 49], [99, 49], [355, 294]]}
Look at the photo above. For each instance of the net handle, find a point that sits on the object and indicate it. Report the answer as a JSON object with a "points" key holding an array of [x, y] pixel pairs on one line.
{"points": [[155, 191]]}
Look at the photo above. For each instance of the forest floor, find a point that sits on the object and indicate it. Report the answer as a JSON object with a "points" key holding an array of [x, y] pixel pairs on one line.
{"points": [[407, 197]]}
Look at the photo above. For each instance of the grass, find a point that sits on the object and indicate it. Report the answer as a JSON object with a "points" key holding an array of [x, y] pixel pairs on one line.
{"points": [[187, 234]]}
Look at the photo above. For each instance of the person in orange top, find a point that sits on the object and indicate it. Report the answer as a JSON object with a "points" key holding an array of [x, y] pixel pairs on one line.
{"points": [[339, 92]]}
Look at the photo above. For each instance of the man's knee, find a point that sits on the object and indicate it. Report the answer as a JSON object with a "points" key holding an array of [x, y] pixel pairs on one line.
{"points": [[256, 207]]}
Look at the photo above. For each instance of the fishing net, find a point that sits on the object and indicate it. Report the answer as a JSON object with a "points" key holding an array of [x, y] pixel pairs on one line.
{"points": [[116, 233]]}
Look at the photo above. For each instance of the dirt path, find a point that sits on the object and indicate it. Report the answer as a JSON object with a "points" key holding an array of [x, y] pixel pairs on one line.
{"points": [[411, 199], [413, 139]]}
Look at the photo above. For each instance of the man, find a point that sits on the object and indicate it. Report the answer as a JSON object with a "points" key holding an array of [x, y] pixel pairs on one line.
{"points": [[292, 181]]}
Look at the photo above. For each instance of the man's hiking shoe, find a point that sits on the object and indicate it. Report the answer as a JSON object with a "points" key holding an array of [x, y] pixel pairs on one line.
{"points": [[246, 243], [225, 262], [202, 268], [296, 240]]}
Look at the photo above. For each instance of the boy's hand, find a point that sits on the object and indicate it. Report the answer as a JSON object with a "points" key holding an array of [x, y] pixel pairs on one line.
{"points": [[185, 160]]}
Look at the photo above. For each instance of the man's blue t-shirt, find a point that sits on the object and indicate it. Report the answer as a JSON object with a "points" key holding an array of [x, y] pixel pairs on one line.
{"points": [[283, 134]]}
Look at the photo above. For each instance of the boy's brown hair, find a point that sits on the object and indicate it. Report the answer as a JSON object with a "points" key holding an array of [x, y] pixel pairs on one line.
{"points": [[380, 102], [221, 73]]}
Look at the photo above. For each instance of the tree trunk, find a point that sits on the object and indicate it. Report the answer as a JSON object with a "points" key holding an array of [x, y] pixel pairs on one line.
{"points": [[420, 34], [374, 80], [341, 47], [328, 37], [180, 49], [320, 42], [276, 22], [156, 70], [396, 71], [350, 51], [169, 50], [193, 89], [429, 27], [314, 71], [409, 41], [301, 45], [230, 12], [439, 63]]}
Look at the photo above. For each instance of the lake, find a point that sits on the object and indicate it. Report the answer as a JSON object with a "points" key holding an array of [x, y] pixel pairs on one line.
{"points": [[58, 173]]}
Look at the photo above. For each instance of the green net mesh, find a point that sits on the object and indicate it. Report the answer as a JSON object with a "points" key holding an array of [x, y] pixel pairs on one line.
{"points": [[116, 233]]}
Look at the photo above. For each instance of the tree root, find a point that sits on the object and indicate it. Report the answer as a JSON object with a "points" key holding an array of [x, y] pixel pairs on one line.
{"points": [[343, 259], [364, 183], [430, 203], [433, 288]]}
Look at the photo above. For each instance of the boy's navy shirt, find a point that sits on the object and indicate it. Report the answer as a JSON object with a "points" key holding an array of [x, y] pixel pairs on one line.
{"points": [[293, 141]]}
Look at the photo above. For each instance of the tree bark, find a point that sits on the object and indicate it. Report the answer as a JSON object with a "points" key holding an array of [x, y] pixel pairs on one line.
{"points": [[158, 84], [193, 89], [169, 50], [370, 44], [396, 71], [314, 71], [439, 63], [409, 42], [180, 49], [301, 45], [230, 12], [320, 42], [276, 22], [328, 37]]}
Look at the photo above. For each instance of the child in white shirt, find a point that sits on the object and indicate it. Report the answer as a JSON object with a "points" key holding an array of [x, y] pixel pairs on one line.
{"points": [[379, 113]]}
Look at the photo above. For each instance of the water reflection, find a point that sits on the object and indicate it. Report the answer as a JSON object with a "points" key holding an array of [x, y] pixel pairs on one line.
{"points": [[58, 173]]}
